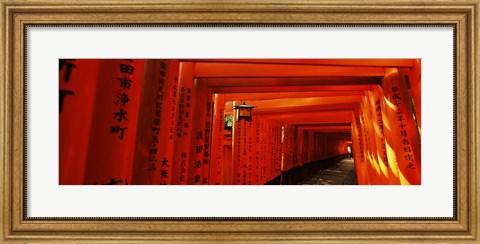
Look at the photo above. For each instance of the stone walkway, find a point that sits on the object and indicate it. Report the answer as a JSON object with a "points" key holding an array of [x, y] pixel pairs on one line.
{"points": [[341, 173]]}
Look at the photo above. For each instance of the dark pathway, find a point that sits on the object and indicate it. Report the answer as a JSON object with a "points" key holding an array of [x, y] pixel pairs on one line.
{"points": [[341, 173]]}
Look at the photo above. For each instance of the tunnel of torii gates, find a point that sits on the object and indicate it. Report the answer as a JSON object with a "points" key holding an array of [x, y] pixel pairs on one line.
{"points": [[135, 121]]}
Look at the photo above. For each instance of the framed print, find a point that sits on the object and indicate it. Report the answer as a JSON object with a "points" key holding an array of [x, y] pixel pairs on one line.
{"points": [[239, 121]]}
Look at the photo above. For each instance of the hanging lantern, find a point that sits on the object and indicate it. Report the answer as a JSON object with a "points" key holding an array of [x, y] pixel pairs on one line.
{"points": [[244, 111]]}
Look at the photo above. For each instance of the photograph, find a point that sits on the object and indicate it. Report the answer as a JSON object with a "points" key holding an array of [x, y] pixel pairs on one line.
{"points": [[239, 121], [245, 121]]}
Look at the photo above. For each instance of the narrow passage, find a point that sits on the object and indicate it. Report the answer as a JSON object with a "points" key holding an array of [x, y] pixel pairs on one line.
{"points": [[340, 173]]}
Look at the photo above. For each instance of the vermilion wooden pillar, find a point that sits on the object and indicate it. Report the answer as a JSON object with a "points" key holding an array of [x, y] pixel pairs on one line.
{"points": [[328, 144], [365, 165], [380, 173], [279, 148], [313, 147], [170, 110], [208, 131], [78, 80], [321, 143], [318, 147], [255, 151], [356, 147], [305, 146], [287, 147], [389, 143], [238, 147], [263, 150], [114, 124], [276, 150], [217, 166], [197, 164], [365, 146], [268, 150], [259, 156], [415, 78], [310, 146], [406, 141], [249, 131], [300, 145], [294, 145], [387, 165], [243, 150], [369, 168], [378, 135], [183, 124], [154, 142]]}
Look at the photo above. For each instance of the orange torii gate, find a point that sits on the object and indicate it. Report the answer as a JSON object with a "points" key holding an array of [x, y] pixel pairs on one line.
{"points": [[385, 134], [175, 114]]}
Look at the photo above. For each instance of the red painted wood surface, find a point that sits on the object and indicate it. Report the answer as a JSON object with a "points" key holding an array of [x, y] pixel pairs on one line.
{"points": [[110, 153], [78, 85]]}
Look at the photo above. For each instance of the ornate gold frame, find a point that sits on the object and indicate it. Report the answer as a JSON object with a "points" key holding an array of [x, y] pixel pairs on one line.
{"points": [[463, 14]]}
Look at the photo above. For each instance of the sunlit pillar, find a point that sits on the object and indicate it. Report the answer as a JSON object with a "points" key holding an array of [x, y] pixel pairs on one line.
{"points": [[405, 137], [371, 153], [375, 98], [384, 138]]}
